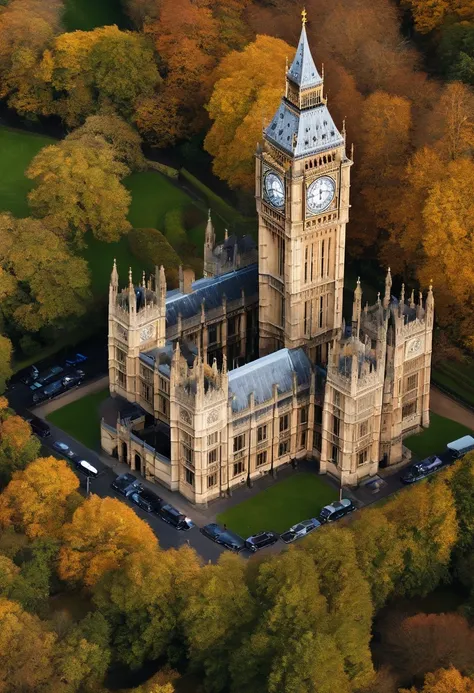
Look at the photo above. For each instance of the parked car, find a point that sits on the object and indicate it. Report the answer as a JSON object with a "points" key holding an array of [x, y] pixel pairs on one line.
{"points": [[76, 360], [48, 392], [223, 536], [125, 484], [86, 468], [421, 469], [63, 448], [175, 518], [300, 530], [141, 499], [336, 510], [38, 426], [259, 541], [73, 380], [46, 377], [461, 446], [152, 499], [30, 375]]}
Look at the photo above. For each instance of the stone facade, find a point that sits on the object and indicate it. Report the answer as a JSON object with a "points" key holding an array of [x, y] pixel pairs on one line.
{"points": [[252, 367]]}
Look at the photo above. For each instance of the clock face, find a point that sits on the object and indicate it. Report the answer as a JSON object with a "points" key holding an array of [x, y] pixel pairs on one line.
{"points": [[274, 190], [147, 333], [320, 194], [413, 347]]}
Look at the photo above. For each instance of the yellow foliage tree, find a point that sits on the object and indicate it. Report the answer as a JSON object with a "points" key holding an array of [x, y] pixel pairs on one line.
{"points": [[431, 15], [246, 95], [37, 500], [26, 649], [101, 534]]}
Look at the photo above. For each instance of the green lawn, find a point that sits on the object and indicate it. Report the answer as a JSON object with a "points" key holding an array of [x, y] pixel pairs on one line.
{"points": [[89, 14], [17, 150], [435, 438], [81, 419], [456, 378], [282, 505]]}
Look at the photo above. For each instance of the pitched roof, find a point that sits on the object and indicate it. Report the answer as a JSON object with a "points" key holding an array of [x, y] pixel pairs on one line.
{"points": [[303, 71], [259, 377], [211, 291], [301, 133]]}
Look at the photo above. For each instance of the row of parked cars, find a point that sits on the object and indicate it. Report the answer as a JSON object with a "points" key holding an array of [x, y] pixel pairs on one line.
{"points": [[55, 380], [454, 451], [234, 542], [128, 485]]}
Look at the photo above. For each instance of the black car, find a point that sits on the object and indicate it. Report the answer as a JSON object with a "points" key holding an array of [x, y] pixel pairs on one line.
{"points": [[336, 510], [125, 484], [73, 380], [175, 518], [224, 537], [137, 498], [38, 426], [149, 501], [48, 392], [30, 375], [260, 540]]}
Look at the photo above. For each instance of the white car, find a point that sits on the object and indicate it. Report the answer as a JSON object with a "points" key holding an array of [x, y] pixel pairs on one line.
{"points": [[300, 530], [63, 448]]}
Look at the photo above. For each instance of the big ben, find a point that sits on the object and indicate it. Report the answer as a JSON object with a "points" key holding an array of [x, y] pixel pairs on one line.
{"points": [[302, 192]]}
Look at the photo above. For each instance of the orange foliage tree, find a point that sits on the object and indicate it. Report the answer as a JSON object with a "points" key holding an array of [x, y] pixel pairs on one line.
{"points": [[101, 534], [38, 500], [445, 681]]}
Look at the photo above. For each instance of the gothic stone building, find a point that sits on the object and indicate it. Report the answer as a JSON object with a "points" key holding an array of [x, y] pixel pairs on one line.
{"points": [[252, 367]]}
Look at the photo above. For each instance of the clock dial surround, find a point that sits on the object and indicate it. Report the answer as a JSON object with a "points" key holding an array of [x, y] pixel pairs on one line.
{"points": [[274, 189], [320, 194]]}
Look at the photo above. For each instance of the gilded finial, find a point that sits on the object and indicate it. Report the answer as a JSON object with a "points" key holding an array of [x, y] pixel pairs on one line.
{"points": [[304, 16], [130, 278]]}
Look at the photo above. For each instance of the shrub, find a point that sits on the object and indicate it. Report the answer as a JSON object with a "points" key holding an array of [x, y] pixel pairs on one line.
{"points": [[152, 248], [174, 228]]}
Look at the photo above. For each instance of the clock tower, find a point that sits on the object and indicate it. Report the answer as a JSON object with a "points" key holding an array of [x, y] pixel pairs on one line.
{"points": [[302, 193]]}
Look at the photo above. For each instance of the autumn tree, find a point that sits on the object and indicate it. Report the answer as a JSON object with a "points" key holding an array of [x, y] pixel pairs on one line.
{"points": [[26, 649], [42, 282], [216, 617], [290, 647], [450, 125], [418, 644], [37, 563], [101, 534], [123, 138], [6, 349], [245, 96], [426, 524], [428, 16], [379, 553], [90, 70], [78, 189], [348, 599], [27, 27], [444, 681], [18, 447], [38, 500]]}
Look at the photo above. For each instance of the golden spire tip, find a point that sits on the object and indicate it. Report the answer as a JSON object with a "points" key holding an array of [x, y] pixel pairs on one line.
{"points": [[304, 16]]}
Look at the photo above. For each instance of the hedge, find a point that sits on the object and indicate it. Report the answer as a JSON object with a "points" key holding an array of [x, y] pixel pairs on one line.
{"points": [[174, 229], [152, 248], [168, 171], [228, 213]]}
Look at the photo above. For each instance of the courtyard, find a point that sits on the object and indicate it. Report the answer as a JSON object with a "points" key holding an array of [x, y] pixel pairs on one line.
{"points": [[281, 505], [81, 418]]}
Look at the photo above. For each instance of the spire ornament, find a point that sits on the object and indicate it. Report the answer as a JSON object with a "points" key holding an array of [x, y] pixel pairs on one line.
{"points": [[304, 17]]}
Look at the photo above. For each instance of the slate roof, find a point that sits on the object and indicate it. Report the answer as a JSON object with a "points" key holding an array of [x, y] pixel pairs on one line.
{"points": [[260, 375], [211, 291], [163, 356], [301, 133], [303, 71]]}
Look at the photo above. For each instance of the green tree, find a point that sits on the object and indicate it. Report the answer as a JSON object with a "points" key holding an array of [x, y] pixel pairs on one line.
{"points": [[348, 599], [290, 647], [142, 598], [426, 524], [78, 189], [124, 139], [82, 656], [90, 70], [26, 649], [37, 562], [379, 553], [18, 447], [217, 616], [47, 283]]}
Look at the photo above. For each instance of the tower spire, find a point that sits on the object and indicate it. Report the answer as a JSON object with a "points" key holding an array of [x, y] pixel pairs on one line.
{"points": [[303, 71], [388, 288], [114, 278]]}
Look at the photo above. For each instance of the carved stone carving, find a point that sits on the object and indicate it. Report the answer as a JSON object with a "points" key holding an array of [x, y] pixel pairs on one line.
{"points": [[213, 416], [185, 415]]}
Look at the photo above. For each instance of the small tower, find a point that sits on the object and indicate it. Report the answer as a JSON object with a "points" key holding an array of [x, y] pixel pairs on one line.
{"points": [[209, 245], [356, 309]]}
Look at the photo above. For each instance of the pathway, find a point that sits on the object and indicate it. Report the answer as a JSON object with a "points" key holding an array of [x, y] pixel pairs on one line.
{"points": [[71, 396], [445, 406]]}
